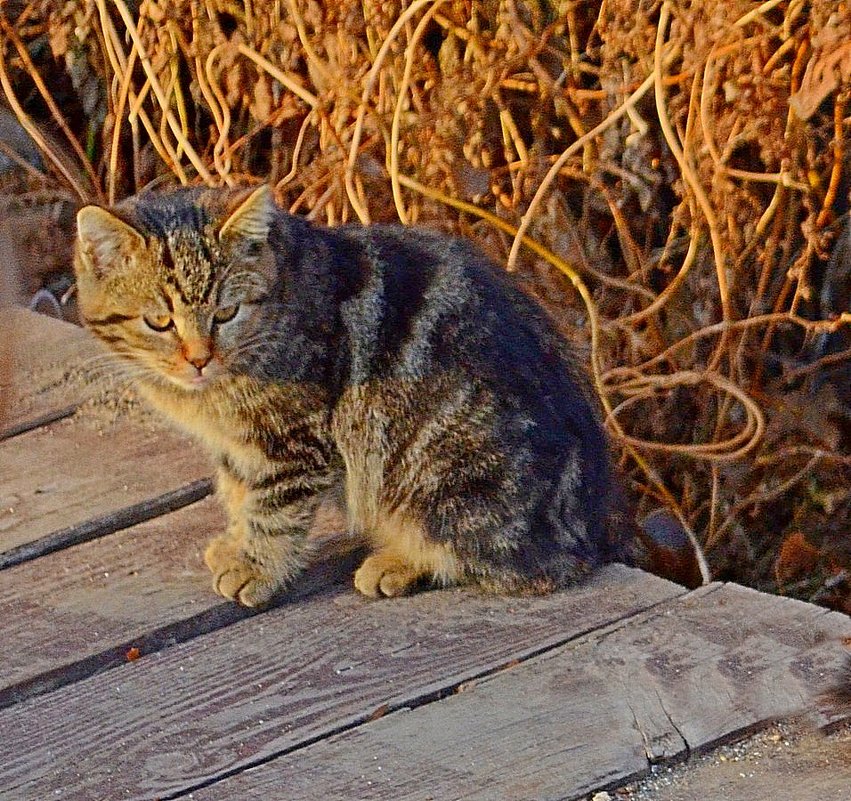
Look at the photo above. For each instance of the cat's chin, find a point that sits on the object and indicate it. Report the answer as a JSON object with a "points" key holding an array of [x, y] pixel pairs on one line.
{"points": [[192, 384], [198, 383]]}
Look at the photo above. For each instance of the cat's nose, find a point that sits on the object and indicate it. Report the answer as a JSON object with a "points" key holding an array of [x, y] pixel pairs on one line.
{"points": [[198, 353], [199, 362]]}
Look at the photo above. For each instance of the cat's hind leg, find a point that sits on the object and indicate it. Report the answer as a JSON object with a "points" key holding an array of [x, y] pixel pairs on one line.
{"points": [[385, 574], [404, 557]]}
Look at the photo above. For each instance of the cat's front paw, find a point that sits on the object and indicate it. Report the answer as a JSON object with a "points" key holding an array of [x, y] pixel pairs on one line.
{"points": [[385, 575], [238, 576]]}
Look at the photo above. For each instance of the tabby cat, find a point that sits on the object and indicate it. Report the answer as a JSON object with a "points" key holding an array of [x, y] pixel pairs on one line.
{"points": [[394, 365]]}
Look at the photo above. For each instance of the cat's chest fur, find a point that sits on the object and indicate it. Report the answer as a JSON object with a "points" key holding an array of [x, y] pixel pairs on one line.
{"points": [[247, 423]]}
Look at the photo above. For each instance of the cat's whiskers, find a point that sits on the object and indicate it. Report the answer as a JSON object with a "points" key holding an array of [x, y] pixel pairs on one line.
{"points": [[117, 378], [114, 383], [120, 369], [259, 343], [252, 344], [103, 366], [105, 359], [116, 359]]}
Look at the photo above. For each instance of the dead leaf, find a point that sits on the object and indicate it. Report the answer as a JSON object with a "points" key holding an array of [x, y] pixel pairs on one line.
{"points": [[380, 712], [828, 67], [797, 558]]}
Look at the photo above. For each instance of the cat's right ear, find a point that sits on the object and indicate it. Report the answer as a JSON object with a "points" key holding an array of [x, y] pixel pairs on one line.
{"points": [[104, 242], [251, 220]]}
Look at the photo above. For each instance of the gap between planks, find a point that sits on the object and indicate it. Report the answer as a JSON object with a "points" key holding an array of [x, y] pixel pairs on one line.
{"points": [[390, 711], [410, 704], [137, 591], [81, 478], [319, 577], [54, 416], [108, 523]]}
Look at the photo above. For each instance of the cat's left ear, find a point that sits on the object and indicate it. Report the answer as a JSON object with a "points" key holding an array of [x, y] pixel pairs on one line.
{"points": [[252, 218]]}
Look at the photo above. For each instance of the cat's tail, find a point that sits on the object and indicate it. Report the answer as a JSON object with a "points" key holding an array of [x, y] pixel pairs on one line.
{"points": [[658, 544]]}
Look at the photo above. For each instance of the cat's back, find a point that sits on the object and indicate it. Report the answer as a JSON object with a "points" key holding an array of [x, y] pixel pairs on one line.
{"points": [[445, 304]]}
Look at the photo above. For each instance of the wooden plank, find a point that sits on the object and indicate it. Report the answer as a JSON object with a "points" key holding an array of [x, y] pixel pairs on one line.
{"points": [[180, 718], [74, 613], [44, 351], [580, 718], [76, 479]]}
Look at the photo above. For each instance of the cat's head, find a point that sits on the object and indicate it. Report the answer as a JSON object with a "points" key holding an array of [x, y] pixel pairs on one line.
{"points": [[176, 283]]}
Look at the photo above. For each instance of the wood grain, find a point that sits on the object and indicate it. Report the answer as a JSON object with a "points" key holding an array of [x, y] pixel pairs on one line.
{"points": [[72, 614], [62, 477], [589, 715], [177, 719], [99, 596], [34, 386]]}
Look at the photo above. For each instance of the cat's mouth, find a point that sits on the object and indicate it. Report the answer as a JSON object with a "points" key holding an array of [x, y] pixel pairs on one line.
{"points": [[193, 380]]}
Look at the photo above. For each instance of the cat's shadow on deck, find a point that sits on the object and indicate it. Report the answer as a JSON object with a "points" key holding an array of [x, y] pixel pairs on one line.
{"points": [[329, 574]]}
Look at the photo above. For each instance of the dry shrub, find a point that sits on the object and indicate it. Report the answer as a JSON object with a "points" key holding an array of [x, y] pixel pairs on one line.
{"points": [[676, 170]]}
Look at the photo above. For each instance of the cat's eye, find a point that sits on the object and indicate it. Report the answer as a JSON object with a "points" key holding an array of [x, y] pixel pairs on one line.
{"points": [[226, 313], [159, 323]]}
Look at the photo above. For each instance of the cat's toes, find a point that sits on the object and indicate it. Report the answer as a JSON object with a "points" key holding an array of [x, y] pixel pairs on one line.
{"points": [[238, 577], [385, 575], [249, 587]]}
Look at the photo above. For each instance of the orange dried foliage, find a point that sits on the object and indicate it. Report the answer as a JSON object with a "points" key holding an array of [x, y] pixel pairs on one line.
{"points": [[698, 222]]}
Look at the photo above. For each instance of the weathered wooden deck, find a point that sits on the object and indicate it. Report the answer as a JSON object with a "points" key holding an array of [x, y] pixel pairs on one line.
{"points": [[122, 676]]}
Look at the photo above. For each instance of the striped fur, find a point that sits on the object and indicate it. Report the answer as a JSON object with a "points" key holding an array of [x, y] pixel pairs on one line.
{"points": [[396, 365]]}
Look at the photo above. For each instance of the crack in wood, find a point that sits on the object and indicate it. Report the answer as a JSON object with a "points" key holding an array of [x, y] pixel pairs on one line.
{"points": [[645, 737], [522, 715], [408, 704], [674, 726]]}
